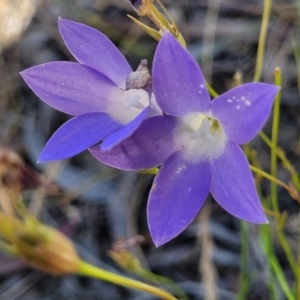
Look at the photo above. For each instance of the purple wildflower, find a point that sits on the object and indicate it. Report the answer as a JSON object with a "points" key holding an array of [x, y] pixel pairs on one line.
{"points": [[94, 91], [197, 144]]}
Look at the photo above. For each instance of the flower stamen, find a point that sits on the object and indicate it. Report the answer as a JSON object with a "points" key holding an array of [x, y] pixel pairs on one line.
{"points": [[204, 136]]}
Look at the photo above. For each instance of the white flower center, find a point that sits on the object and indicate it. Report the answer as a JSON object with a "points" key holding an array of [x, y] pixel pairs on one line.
{"points": [[202, 136]]}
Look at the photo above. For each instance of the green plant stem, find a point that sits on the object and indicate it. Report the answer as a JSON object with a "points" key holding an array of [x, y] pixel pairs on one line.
{"points": [[275, 128], [244, 281], [280, 277], [286, 163], [157, 279], [152, 171], [262, 40], [288, 252], [267, 248], [274, 196], [273, 264], [211, 91], [269, 177], [158, 19], [266, 241], [88, 270]]}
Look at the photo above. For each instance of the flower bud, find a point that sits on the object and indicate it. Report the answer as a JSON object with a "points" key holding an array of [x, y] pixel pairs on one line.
{"points": [[48, 250], [142, 7], [45, 248]]}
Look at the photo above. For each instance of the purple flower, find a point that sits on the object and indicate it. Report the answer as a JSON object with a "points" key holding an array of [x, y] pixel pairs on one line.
{"points": [[197, 144], [108, 100]]}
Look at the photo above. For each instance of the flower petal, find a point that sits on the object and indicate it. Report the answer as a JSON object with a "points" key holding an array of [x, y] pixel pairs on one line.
{"points": [[233, 187], [92, 48], [178, 193], [244, 110], [178, 83], [148, 146], [125, 132], [72, 88], [77, 135]]}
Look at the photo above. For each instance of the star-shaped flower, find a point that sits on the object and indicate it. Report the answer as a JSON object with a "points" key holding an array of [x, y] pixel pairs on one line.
{"points": [[196, 142], [107, 99]]}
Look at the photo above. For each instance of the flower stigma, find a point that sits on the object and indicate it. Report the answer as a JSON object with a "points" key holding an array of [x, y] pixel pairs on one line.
{"points": [[204, 136], [137, 88], [135, 102]]}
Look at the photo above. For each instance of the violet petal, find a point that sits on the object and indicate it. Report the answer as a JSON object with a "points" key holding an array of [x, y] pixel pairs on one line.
{"points": [[125, 132], [148, 146], [233, 185], [72, 88], [77, 135], [92, 48], [178, 83], [244, 110], [178, 193]]}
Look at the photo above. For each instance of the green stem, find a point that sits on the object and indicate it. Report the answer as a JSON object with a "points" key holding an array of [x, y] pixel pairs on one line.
{"points": [[162, 23], [158, 19], [267, 248], [274, 196], [88, 270], [157, 279], [211, 91], [244, 263], [275, 127], [277, 272], [286, 163], [262, 40], [288, 252], [269, 177], [281, 278]]}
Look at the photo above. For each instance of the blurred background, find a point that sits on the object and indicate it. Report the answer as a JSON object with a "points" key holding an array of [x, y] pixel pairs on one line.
{"points": [[96, 205]]}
